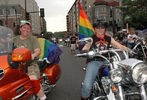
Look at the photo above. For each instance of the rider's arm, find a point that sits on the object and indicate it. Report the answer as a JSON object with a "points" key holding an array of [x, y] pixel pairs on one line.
{"points": [[118, 45], [36, 53], [87, 46], [36, 48]]}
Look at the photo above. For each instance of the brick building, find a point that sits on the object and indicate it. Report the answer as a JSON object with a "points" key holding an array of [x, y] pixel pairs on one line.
{"points": [[30, 6], [105, 10], [11, 15]]}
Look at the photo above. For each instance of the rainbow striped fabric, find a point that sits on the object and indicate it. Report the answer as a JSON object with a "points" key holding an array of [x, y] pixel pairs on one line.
{"points": [[85, 27], [49, 50]]}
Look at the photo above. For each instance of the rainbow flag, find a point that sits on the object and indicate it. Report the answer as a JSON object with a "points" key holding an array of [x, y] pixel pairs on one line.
{"points": [[85, 27], [49, 50]]}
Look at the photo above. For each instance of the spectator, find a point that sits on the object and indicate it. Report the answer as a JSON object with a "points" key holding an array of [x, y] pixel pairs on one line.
{"points": [[73, 43], [131, 38]]}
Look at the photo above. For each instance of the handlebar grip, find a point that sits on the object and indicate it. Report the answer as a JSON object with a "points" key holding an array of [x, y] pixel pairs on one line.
{"points": [[81, 55]]}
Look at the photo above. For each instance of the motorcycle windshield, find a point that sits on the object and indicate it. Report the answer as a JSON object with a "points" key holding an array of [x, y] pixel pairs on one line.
{"points": [[6, 40]]}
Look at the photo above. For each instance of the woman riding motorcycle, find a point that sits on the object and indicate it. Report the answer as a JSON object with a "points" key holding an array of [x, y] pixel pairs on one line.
{"points": [[25, 40], [101, 41]]}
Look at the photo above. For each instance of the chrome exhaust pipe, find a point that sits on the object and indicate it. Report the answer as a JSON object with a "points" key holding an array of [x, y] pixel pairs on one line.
{"points": [[99, 98], [143, 93]]}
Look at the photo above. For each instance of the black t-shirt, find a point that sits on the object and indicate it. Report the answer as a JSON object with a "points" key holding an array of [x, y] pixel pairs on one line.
{"points": [[73, 40], [101, 43]]}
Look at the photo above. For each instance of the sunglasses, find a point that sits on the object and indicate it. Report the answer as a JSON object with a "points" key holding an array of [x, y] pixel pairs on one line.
{"points": [[100, 27]]}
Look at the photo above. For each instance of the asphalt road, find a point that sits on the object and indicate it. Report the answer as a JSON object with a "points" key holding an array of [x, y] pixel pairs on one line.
{"points": [[69, 85]]}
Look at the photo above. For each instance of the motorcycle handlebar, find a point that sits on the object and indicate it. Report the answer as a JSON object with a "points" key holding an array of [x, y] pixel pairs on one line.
{"points": [[111, 50], [96, 51], [81, 55]]}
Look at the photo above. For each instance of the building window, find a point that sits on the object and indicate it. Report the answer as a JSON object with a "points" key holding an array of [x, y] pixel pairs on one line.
{"points": [[105, 18], [1, 22], [85, 7], [8, 11], [4, 11], [102, 9], [118, 20], [97, 12], [12, 11], [1, 12]]}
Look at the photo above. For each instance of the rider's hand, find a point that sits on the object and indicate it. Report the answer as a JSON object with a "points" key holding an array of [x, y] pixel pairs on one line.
{"points": [[128, 49], [33, 56], [132, 53]]}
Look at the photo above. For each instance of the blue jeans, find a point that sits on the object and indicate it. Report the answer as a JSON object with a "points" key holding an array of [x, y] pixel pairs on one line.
{"points": [[90, 76], [130, 45]]}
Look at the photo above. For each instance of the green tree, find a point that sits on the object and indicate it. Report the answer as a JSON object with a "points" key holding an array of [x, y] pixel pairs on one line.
{"points": [[48, 35], [60, 34], [135, 13]]}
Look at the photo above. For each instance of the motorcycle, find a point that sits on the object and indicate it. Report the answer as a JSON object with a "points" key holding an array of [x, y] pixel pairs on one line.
{"points": [[140, 47], [123, 78], [15, 84]]}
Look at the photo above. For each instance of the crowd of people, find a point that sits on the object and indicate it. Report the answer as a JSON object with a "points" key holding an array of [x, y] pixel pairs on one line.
{"points": [[125, 38], [129, 39], [72, 42]]}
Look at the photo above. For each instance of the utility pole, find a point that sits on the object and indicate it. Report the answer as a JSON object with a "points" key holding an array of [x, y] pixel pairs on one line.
{"points": [[42, 17], [15, 9], [25, 8], [6, 16], [6, 21]]}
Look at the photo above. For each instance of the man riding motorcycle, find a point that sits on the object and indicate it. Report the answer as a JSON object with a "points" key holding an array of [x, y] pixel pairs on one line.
{"points": [[101, 41], [25, 40]]}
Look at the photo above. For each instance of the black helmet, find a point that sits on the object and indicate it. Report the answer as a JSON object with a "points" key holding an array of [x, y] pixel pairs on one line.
{"points": [[100, 24]]}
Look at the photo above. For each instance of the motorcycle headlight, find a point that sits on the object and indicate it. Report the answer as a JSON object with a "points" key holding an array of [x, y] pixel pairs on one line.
{"points": [[1, 73], [116, 75], [139, 73]]}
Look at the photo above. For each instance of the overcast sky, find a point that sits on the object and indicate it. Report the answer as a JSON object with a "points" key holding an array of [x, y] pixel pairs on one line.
{"points": [[55, 13]]}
